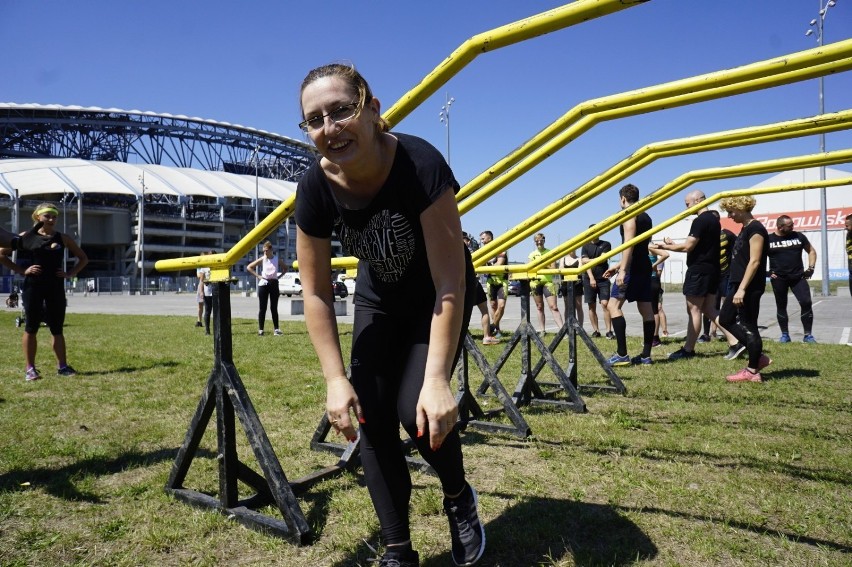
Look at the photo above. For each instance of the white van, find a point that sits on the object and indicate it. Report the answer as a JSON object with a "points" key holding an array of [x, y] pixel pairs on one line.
{"points": [[290, 284]]}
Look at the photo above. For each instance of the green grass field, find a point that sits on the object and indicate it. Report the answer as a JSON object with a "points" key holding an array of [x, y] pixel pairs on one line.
{"points": [[685, 469]]}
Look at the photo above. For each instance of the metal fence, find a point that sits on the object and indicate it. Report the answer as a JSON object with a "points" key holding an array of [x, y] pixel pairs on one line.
{"points": [[128, 286]]}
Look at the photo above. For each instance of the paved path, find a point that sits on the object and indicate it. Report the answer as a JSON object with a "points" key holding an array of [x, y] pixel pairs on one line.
{"points": [[832, 315]]}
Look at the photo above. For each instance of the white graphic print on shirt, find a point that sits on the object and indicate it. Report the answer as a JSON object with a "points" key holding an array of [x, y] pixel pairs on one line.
{"points": [[386, 242]]}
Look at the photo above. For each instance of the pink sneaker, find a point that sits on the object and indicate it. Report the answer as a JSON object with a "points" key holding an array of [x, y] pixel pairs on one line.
{"points": [[745, 375], [763, 362], [490, 341]]}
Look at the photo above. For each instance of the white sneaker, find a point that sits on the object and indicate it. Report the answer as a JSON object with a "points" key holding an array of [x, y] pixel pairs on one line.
{"points": [[260, 333], [278, 332]]}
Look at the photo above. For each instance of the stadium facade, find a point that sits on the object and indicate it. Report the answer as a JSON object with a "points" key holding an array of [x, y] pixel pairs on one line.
{"points": [[135, 187]]}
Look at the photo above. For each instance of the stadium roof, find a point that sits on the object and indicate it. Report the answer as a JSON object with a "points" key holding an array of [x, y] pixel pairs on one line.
{"points": [[67, 175]]}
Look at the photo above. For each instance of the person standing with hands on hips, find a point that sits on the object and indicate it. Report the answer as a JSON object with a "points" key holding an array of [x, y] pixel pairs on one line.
{"points": [[389, 199], [267, 286], [43, 291]]}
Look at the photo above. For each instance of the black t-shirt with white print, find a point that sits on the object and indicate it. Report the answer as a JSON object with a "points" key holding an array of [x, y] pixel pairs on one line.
{"points": [[741, 255], [785, 254], [386, 235]]}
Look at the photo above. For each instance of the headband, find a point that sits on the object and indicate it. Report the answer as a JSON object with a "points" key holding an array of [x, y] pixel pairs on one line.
{"points": [[46, 210]]}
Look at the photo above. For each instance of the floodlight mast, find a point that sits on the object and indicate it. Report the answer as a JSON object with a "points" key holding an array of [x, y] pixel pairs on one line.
{"points": [[819, 24]]}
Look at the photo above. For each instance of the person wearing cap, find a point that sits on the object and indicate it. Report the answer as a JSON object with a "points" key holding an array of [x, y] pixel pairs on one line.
{"points": [[43, 291]]}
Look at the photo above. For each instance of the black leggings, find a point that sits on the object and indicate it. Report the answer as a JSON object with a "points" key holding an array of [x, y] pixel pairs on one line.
{"points": [[270, 293], [742, 323], [208, 309], [44, 301], [780, 287], [388, 364]]}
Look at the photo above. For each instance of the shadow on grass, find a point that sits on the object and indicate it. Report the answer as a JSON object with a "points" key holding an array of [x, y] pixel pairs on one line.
{"points": [[129, 369], [61, 482], [541, 531], [788, 373], [740, 461], [746, 526]]}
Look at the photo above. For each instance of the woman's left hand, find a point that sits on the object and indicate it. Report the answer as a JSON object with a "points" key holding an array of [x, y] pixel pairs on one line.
{"points": [[437, 411], [739, 298]]}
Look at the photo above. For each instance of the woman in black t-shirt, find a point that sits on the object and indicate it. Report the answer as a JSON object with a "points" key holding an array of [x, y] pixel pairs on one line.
{"points": [[389, 198], [747, 281], [43, 291]]}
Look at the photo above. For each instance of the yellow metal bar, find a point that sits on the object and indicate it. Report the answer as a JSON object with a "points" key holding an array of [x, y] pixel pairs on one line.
{"points": [[647, 154], [695, 208], [677, 185], [528, 28], [773, 72]]}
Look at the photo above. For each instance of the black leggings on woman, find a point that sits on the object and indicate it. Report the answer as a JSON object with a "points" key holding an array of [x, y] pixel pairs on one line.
{"points": [[742, 322], [270, 293], [388, 364]]}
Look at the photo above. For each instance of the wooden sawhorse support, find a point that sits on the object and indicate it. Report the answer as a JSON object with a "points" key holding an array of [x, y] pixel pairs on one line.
{"points": [[226, 393]]}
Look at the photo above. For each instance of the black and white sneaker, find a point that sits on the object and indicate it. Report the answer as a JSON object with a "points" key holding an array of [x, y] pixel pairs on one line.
{"points": [[681, 354], [735, 351], [66, 370], [466, 530], [392, 559], [405, 558]]}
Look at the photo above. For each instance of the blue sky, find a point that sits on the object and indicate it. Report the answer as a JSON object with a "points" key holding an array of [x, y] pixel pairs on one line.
{"points": [[242, 62]]}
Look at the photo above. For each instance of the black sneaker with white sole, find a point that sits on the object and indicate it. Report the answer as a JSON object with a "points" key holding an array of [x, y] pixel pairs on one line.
{"points": [[735, 351], [466, 530]]}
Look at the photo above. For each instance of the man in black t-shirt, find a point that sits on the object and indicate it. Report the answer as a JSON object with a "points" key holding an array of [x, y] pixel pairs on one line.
{"points": [[703, 272], [726, 246], [786, 272], [595, 286]]}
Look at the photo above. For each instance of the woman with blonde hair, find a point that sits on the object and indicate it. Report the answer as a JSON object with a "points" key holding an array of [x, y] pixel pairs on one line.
{"points": [[746, 284], [43, 291]]}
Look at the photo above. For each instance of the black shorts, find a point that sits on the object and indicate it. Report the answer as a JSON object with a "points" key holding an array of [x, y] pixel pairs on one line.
{"points": [[591, 295], [578, 288], [636, 288], [699, 285], [480, 295], [656, 294]]}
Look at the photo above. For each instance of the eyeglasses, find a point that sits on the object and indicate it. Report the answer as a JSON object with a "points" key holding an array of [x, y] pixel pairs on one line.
{"points": [[342, 114]]}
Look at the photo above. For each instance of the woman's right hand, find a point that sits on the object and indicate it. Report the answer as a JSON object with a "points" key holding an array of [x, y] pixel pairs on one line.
{"points": [[33, 270], [340, 398]]}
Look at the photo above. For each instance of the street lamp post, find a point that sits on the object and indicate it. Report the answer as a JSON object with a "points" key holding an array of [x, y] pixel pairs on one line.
{"points": [[819, 24], [142, 236], [256, 202], [444, 117]]}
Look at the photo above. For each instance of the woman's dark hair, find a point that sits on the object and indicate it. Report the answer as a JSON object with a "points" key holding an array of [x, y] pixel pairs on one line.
{"points": [[352, 78]]}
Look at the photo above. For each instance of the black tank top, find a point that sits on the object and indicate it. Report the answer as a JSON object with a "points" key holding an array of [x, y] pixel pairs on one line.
{"points": [[49, 255]]}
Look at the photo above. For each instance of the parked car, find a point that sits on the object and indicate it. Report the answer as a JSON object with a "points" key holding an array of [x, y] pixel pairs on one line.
{"points": [[339, 289], [290, 284], [348, 282], [514, 287]]}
